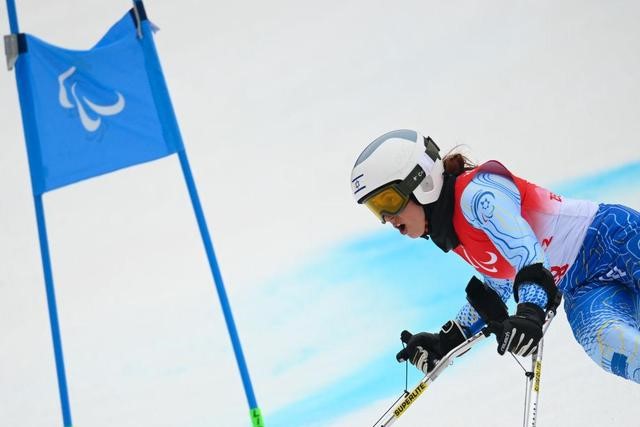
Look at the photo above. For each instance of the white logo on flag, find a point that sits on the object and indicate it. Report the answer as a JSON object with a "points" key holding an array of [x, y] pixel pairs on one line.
{"points": [[89, 123]]}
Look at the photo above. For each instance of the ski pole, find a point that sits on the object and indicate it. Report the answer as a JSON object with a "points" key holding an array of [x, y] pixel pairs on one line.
{"points": [[445, 362], [532, 392], [532, 382]]}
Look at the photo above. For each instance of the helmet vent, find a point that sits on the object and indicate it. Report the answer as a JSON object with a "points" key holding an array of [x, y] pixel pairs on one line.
{"points": [[409, 135]]}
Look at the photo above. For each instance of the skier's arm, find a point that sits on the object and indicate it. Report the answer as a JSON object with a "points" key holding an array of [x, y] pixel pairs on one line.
{"points": [[469, 319], [491, 203]]}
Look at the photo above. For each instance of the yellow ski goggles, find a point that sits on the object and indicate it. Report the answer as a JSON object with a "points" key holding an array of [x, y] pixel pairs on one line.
{"points": [[388, 200]]}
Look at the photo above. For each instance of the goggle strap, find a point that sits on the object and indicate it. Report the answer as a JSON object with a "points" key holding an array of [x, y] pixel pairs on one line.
{"points": [[431, 148], [412, 180]]}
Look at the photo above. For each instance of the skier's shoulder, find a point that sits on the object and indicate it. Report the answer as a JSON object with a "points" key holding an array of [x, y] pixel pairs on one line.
{"points": [[490, 175], [489, 184]]}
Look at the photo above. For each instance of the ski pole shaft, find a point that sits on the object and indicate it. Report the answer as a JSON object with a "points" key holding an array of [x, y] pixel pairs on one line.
{"points": [[444, 363], [532, 390]]}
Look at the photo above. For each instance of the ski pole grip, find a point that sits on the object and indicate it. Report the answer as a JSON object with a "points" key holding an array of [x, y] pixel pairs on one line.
{"points": [[493, 327], [405, 336]]}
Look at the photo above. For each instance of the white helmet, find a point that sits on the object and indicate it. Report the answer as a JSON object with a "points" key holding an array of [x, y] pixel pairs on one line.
{"points": [[393, 167]]}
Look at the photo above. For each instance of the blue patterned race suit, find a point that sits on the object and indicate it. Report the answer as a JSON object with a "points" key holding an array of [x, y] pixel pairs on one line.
{"points": [[602, 291], [601, 288]]}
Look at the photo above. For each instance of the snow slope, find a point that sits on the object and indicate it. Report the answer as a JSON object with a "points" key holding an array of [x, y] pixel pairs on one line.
{"points": [[275, 100]]}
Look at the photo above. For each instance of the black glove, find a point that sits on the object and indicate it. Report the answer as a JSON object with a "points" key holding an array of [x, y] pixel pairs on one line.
{"points": [[520, 333], [425, 349]]}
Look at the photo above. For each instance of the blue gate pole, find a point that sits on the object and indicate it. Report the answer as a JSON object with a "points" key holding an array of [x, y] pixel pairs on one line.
{"points": [[222, 294], [172, 132], [26, 100], [53, 312]]}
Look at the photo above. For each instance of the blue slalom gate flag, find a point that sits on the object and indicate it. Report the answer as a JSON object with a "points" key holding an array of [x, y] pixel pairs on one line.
{"points": [[87, 113], [95, 111]]}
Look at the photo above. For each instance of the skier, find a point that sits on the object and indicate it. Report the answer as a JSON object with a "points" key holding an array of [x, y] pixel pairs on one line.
{"points": [[524, 240]]}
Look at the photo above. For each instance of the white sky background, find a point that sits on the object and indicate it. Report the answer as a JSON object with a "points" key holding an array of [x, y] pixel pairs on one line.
{"points": [[275, 100]]}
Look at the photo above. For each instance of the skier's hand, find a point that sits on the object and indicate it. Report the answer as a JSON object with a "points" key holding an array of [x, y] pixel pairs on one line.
{"points": [[425, 349], [422, 350], [520, 333]]}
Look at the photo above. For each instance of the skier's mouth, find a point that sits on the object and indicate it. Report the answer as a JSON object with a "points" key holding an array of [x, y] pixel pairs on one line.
{"points": [[402, 229]]}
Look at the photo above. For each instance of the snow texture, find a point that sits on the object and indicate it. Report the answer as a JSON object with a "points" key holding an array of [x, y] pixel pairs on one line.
{"points": [[275, 100]]}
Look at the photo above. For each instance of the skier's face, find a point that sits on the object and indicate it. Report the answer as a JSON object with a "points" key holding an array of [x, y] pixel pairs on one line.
{"points": [[411, 221]]}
